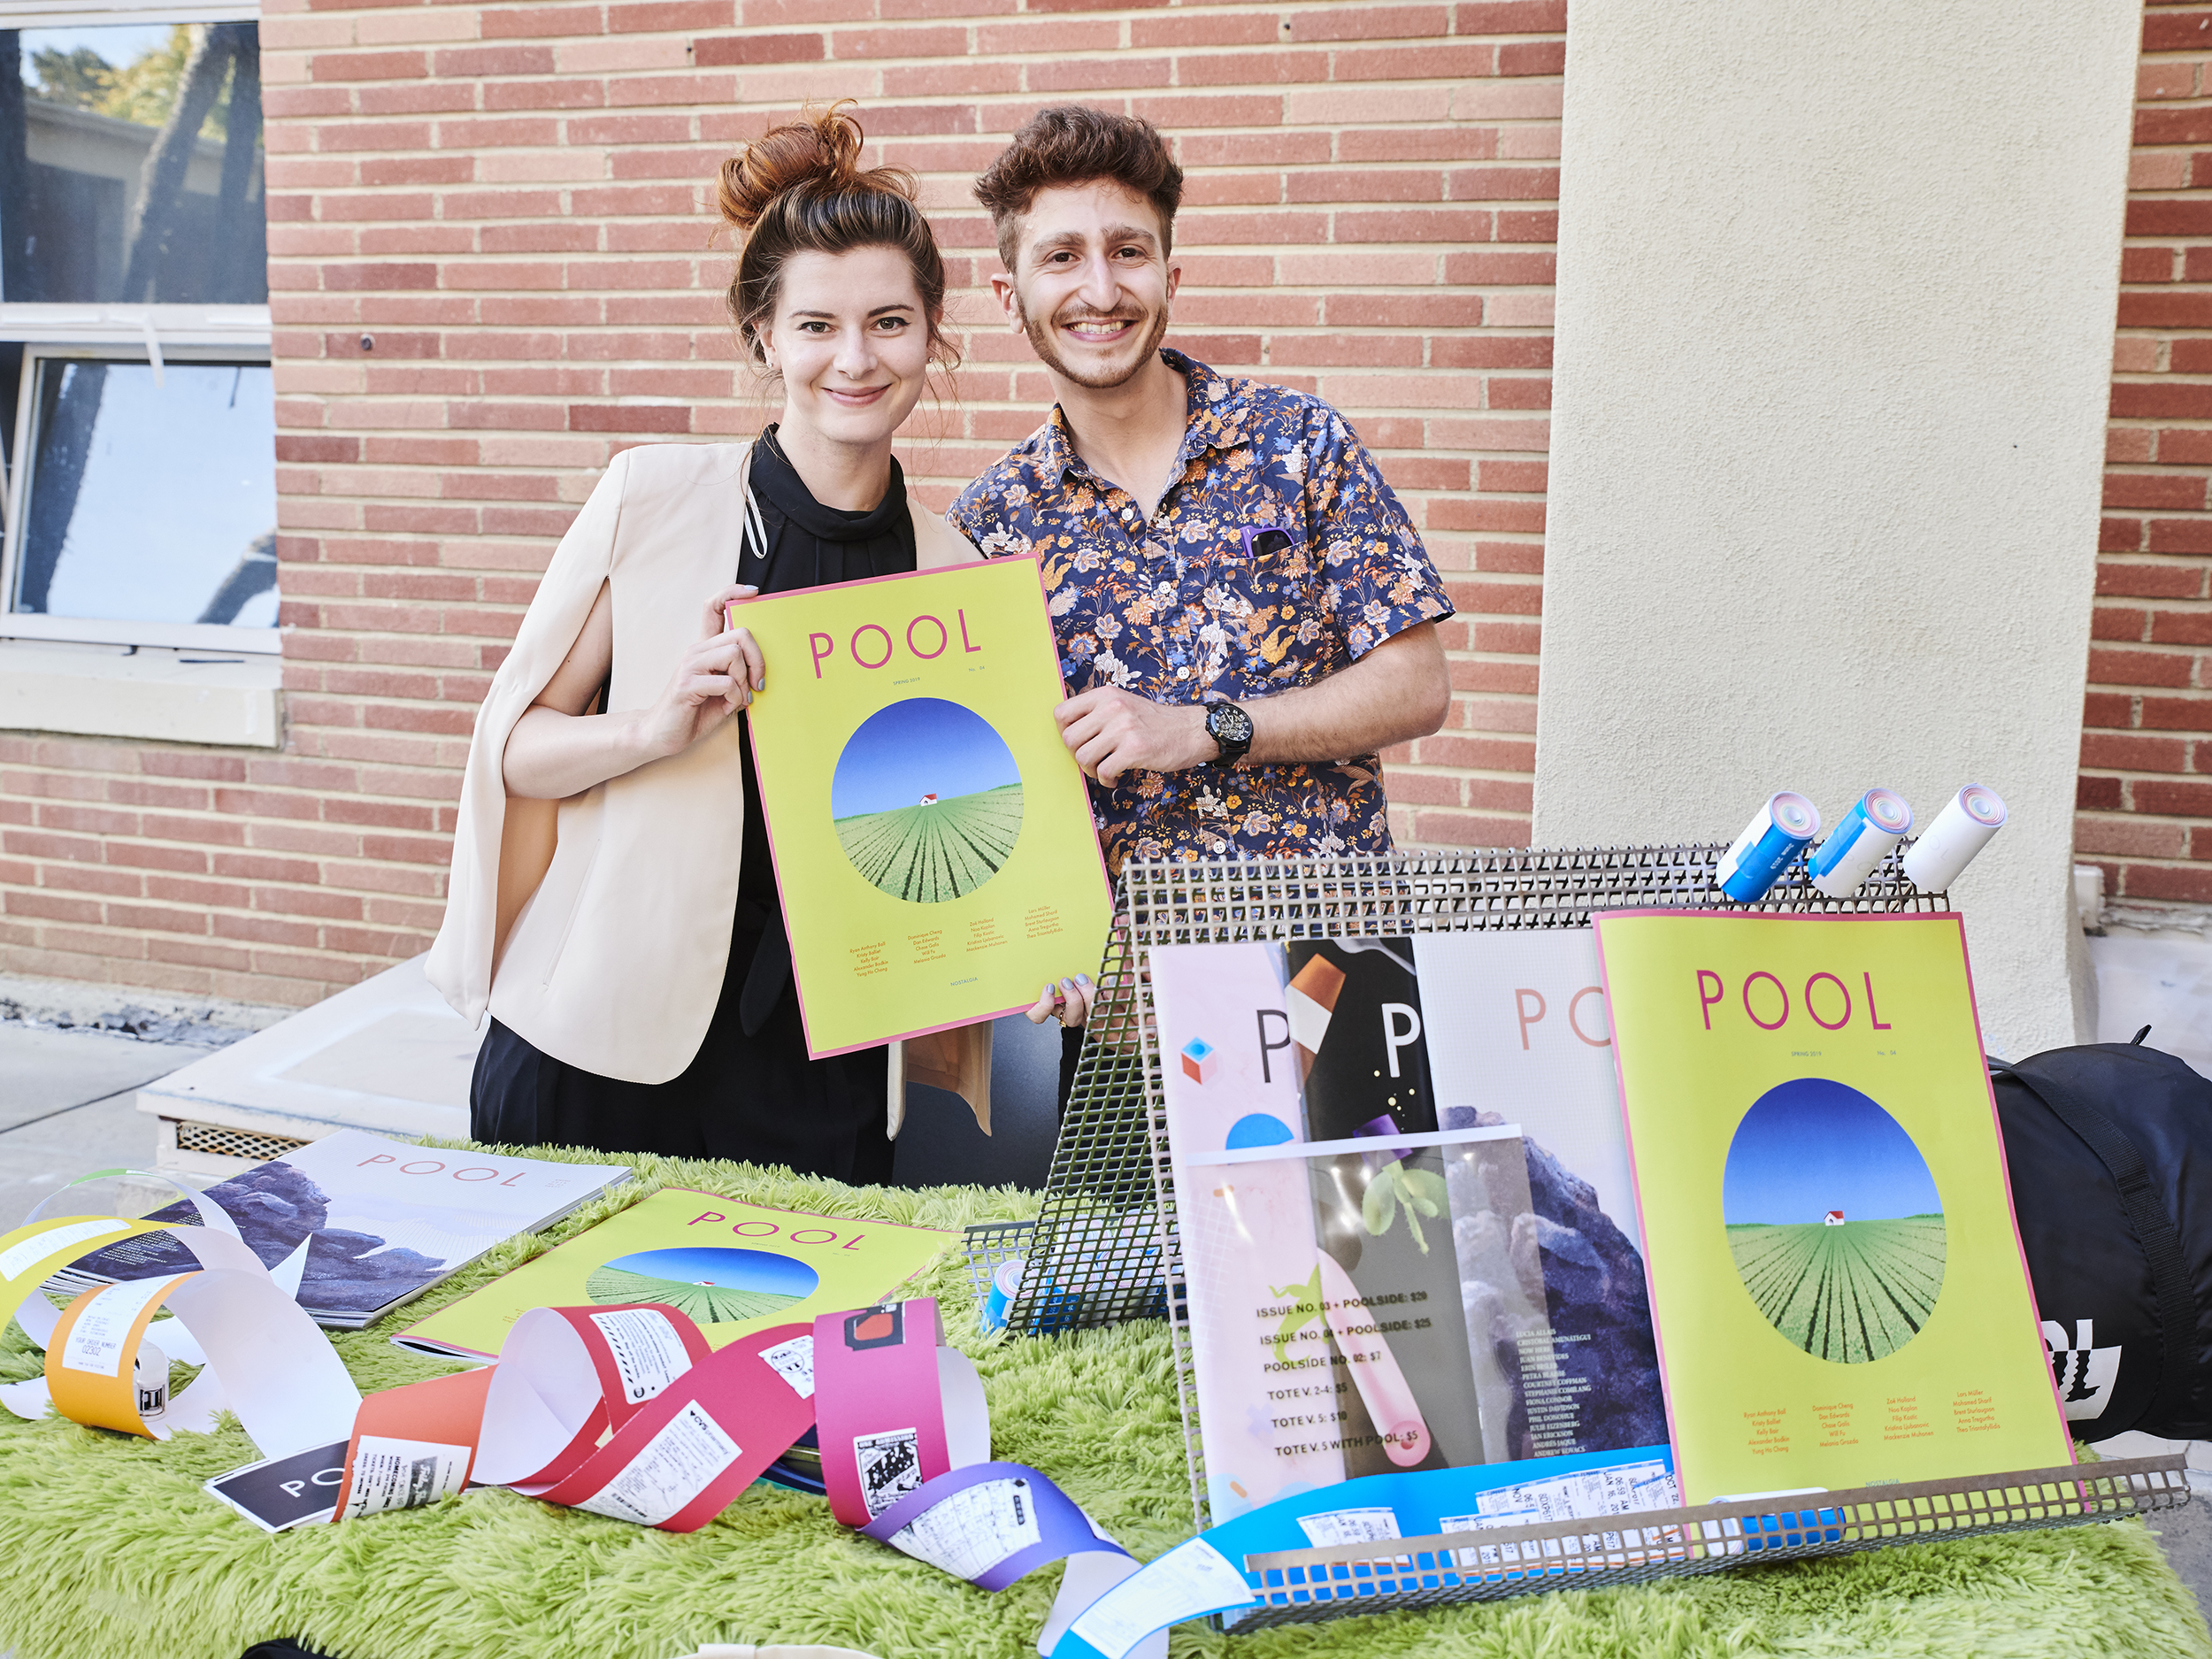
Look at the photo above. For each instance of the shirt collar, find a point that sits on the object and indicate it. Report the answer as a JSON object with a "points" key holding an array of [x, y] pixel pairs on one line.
{"points": [[1214, 419]]}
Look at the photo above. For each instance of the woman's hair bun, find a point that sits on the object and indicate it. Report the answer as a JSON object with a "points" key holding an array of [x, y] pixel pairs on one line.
{"points": [[800, 189], [821, 149]]}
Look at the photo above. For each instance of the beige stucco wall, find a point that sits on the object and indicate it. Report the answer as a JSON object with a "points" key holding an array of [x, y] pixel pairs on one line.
{"points": [[1836, 295]]}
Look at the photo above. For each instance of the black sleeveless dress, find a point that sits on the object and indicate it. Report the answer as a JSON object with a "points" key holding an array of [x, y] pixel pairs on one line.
{"points": [[750, 1092]]}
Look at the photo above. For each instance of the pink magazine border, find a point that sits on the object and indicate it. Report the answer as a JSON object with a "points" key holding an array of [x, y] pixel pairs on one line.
{"points": [[1052, 645], [1628, 1134]]}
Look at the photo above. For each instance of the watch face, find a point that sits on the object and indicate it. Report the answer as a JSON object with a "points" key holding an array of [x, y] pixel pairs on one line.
{"points": [[1229, 724]]}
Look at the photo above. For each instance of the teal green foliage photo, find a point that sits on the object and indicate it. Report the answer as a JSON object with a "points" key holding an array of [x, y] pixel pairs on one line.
{"points": [[1419, 1191], [113, 1552]]}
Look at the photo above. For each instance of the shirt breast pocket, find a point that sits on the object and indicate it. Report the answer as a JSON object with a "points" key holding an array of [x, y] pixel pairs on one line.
{"points": [[1270, 568]]}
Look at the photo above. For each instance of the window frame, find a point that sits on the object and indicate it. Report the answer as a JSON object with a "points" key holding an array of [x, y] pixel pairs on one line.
{"points": [[142, 331], [62, 14], [139, 333]]}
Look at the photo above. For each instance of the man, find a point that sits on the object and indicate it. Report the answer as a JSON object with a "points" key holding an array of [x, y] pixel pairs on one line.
{"points": [[1242, 606]]}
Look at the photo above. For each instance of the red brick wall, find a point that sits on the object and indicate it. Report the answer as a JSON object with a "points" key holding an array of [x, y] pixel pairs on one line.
{"points": [[514, 201], [2146, 793]]}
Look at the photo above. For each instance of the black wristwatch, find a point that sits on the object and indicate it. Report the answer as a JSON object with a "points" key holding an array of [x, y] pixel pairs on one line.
{"points": [[1231, 729]]}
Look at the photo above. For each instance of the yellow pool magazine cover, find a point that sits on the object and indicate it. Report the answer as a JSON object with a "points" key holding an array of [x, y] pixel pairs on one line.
{"points": [[734, 1268], [932, 834], [1836, 1283]]}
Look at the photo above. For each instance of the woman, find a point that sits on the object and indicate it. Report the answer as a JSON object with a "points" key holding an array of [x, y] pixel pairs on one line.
{"points": [[613, 904]]}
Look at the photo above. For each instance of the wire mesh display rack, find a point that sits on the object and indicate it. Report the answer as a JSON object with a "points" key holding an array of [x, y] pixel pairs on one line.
{"points": [[1105, 1248], [1304, 1586]]}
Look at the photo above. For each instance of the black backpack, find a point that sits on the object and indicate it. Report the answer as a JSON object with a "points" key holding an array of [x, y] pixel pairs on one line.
{"points": [[2110, 1149]]}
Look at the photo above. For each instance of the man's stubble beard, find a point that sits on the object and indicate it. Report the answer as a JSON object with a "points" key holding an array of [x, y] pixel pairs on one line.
{"points": [[1043, 343]]}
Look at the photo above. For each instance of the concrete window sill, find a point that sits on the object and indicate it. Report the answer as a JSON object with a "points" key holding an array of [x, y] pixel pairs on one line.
{"points": [[228, 699]]}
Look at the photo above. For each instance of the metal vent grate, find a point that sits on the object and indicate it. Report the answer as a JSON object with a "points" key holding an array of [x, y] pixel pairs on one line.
{"points": [[234, 1143]]}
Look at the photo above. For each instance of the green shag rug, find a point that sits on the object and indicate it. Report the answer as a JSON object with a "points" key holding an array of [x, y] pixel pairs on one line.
{"points": [[111, 1549]]}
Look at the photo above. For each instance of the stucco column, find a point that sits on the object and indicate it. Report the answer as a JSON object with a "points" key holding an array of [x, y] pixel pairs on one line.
{"points": [[1836, 298]]}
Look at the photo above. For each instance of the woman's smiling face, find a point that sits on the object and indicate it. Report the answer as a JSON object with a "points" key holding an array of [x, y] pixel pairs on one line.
{"points": [[852, 340]]}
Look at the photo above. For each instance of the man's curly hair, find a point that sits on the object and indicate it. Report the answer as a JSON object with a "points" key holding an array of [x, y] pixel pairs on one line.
{"points": [[1073, 144]]}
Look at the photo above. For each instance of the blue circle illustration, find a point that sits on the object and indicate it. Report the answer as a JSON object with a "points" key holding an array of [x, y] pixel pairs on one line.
{"points": [[1259, 1129], [927, 800], [713, 1284], [1834, 1221]]}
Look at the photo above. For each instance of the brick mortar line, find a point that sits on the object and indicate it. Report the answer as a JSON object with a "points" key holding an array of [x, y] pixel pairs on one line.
{"points": [[964, 210], [982, 102], [1441, 246], [1039, 57], [1313, 52], [897, 145], [295, 918], [141, 838], [216, 909]]}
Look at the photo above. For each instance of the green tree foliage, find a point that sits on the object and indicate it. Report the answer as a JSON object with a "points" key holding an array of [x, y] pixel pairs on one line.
{"points": [[142, 91], [80, 78]]}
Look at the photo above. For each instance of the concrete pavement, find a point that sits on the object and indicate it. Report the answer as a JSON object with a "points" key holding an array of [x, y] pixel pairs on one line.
{"points": [[65, 1107]]}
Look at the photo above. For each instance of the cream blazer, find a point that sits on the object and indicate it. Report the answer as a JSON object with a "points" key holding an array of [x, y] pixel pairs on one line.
{"points": [[598, 927]]}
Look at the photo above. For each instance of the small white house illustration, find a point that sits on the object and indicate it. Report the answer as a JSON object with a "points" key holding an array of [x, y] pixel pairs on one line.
{"points": [[1833, 1218], [929, 800]]}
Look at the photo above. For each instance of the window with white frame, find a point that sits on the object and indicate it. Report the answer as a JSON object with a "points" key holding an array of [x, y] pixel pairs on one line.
{"points": [[137, 407]]}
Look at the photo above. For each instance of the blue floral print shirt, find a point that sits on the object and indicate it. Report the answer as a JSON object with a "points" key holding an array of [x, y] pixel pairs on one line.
{"points": [[1179, 610]]}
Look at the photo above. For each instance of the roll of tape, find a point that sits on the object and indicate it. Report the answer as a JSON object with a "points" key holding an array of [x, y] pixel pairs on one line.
{"points": [[1862, 838], [1961, 830], [1006, 1283], [266, 1361], [260, 1355]]}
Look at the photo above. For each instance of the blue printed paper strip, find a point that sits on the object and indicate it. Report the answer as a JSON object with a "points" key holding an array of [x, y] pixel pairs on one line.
{"points": [[990, 1523], [1190, 1581], [1207, 1575], [995, 1523]]}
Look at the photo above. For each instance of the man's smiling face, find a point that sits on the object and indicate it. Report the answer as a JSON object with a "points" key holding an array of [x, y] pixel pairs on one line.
{"points": [[1092, 282]]}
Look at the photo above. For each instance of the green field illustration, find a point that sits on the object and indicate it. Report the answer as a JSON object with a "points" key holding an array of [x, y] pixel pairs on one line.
{"points": [[927, 800], [936, 850], [1847, 1290], [1833, 1220], [709, 1304]]}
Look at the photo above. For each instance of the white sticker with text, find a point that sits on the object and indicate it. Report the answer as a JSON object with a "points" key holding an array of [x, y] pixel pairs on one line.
{"points": [[794, 1361], [103, 1323], [21, 1256], [974, 1529], [646, 1351], [394, 1474], [677, 1464]]}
